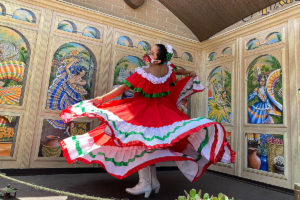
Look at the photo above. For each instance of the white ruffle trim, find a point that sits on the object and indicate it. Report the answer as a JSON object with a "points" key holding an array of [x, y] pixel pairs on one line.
{"points": [[153, 79]]}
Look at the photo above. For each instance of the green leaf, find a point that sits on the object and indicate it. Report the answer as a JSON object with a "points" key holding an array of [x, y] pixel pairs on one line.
{"points": [[181, 198], [199, 193], [206, 196], [193, 192], [187, 194], [214, 198]]}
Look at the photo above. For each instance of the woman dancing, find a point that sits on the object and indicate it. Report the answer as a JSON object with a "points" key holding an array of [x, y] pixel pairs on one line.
{"points": [[149, 128]]}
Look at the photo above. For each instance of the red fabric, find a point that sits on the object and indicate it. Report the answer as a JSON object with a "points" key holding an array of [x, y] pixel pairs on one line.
{"points": [[137, 81]]}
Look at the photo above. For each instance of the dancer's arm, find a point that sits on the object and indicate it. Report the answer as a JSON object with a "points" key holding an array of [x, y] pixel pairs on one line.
{"points": [[185, 72], [69, 65], [112, 94]]}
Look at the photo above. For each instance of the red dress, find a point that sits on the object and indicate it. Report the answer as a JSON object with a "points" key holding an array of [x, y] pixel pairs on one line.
{"points": [[147, 129]]}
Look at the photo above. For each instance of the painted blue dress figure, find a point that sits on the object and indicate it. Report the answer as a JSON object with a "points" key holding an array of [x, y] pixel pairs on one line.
{"points": [[261, 111], [67, 89]]}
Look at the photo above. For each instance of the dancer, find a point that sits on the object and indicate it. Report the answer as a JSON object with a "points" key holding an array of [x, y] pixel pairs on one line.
{"points": [[138, 132]]}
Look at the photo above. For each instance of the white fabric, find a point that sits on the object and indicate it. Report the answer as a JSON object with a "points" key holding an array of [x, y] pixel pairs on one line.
{"points": [[153, 79]]}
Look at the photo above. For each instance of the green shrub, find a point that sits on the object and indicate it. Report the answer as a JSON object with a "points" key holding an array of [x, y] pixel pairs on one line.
{"points": [[193, 195]]}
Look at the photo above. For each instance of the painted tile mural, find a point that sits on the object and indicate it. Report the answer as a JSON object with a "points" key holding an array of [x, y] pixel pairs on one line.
{"points": [[265, 91], [266, 152], [125, 41], [14, 56], [24, 15], [91, 32], [51, 136], [71, 78], [67, 26], [219, 95], [8, 130], [124, 68]]}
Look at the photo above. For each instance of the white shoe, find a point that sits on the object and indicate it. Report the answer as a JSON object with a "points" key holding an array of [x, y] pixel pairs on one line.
{"points": [[144, 184], [155, 185]]}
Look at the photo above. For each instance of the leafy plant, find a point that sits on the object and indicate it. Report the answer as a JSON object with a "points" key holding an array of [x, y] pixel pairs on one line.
{"points": [[194, 195]]}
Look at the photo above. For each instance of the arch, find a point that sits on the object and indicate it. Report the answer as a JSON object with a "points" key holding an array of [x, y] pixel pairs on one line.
{"points": [[24, 15], [91, 32], [219, 95], [14, 59], [253, 44], [264, 81], [212, 56], [273, 38], [124, 68], [63, 93], [144, 45], [125, 41], [67, 25], [227, 51], [2, 9], [187, 57]]}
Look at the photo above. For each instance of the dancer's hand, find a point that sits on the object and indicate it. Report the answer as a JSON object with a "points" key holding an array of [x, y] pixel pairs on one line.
{"points": [[193, 74], [98, 101]]}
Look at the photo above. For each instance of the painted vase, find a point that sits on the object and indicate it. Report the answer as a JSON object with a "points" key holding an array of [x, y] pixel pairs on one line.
{"points": [[51, 147], [253, 160], [264, 163]]}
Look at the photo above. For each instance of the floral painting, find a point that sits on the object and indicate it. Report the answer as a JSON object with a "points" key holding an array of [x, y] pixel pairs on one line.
{"points": [[8, 127], [14, 57], [219, 95], [124, 68], [266, 152], [72, 77], [265, 96]]}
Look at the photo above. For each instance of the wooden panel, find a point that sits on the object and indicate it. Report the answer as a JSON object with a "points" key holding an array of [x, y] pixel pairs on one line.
{"points": [[206, 18]]}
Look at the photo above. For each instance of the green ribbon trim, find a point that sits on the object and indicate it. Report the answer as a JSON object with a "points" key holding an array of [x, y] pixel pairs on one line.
{"points": [[122, 163], [191, 87], [154, 95], [127, 134], [77, 145], [202, 145]]}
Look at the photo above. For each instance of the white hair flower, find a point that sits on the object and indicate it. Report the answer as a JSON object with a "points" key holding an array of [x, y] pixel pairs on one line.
{"points": [[169, 48]]}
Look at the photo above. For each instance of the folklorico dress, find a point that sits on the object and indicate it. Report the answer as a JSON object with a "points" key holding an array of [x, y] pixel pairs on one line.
{"points": [[147, 129]]}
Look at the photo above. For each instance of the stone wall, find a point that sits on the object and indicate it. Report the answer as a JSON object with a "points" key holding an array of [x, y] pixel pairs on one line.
{"points": [[152, 13]]}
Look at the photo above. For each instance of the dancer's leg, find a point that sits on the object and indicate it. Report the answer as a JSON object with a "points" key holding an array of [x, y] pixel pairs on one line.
{"points": [[144, 184]]}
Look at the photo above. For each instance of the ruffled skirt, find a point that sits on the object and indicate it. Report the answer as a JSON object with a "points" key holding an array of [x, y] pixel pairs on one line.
{"points": [[141, 131]]}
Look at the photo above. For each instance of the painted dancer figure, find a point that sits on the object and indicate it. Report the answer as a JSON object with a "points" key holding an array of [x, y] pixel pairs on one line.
{"points": [[149, 128]]}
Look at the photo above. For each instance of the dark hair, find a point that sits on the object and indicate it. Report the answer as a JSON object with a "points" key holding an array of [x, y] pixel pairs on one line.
{"points": [[261, 77], [162, 53]]}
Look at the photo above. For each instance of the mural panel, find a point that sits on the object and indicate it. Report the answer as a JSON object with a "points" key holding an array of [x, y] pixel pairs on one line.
{"points": [[14, 57], [187, 57], [266, 152], [253, 44], [219, 95], [24, 15], [67, 25], [91, 32], [51, 136], [125, 41], [273, 38], [8, 131], [265, 91], [212, 56], [144, 46], [71, 79], [124, 68]]}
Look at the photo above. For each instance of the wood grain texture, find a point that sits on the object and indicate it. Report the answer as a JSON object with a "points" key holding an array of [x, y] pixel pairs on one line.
{"points": [[206, 18]]}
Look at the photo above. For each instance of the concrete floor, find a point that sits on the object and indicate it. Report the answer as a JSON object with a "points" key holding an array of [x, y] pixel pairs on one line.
{"points": [[173, 184]]}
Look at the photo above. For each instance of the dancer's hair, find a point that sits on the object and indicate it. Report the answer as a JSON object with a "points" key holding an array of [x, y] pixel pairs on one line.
{"points": [[162, 53]]}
